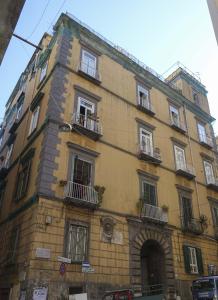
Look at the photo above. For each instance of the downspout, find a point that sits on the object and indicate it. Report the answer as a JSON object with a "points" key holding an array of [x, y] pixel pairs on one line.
{"points": [[192, 160]]}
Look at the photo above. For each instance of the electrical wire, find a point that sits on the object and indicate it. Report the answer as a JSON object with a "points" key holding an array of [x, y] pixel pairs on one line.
{"points": [[39, 21], [51, 24]]}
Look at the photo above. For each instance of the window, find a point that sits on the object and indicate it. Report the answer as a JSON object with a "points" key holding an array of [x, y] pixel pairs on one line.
{"points": [[88, 63], [19, 108], [13, 244], [34, 120], [193, 260], [202, 133], [22, 180], [196, 97], [180, 158], [1, 140], [85, 113], [143, 97], [82, 171], [2, 191], [146, 141], [209, 173], [8, 156], [149, 193], [174, 115], [43, 72], [187, 215], [77, 240], [215, 215]]}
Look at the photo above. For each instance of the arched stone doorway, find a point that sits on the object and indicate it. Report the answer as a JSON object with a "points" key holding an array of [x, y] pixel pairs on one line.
{"points": [[147, 244], [153, 274]]}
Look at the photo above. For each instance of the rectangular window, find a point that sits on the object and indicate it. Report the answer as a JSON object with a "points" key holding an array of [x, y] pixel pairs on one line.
{"points": [[77, 240], [149, 193], [146, 141], [180, 158], [193, 260], [2, 191], [215, 215], [8, 156], [202, 133], [187, 214], [210, 179], [13, 245], [82, 171], [34, 119], [85, 113], [174, 115], [143, 97], [88, 63], [43, 72], [22, 180], [19, 109]]}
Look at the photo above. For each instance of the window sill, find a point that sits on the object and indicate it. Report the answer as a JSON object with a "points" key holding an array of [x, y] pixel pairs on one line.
{"points": [[31, 134], [149, 112], [41, 82], [90, 78], [204, 144]]}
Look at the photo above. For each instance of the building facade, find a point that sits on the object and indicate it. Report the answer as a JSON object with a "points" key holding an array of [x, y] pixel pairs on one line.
{"points": [[105, 168], [213, 9]]}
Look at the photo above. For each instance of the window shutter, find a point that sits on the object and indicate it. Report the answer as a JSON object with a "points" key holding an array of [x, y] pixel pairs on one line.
{"points": [[200, 261], [186, 254], [66, 238]]}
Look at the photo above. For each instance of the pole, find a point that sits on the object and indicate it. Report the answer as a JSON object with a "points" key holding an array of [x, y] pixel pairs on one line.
{"points": [[26, 41]]}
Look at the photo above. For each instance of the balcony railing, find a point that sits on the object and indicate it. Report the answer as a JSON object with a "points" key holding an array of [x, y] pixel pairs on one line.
{"points": [[154, 213], [146, 106], [186, 170], [89, 71], [81, 195], [148, 153], [178, 125], [206, 140], [91, 125], [212, 183], [192, 225]]}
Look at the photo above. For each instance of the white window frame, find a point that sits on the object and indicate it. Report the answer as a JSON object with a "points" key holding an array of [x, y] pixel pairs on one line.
{"points": [[74, 244], [180, 165], [209, 175], [144, 137], [88, 63], [89, 106], [174, 111], [43, 72], [193, 260], [202, 133], [8, 156], [146, 101], [34, 119]]}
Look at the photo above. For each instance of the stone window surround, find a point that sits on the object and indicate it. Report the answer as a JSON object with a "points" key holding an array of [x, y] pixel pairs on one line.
{"points": [[150, 179], [84, 154], [75, 222], [186, 193], [144, 125], [147, 87], [213, 203], [92, 51], [213, 169]]}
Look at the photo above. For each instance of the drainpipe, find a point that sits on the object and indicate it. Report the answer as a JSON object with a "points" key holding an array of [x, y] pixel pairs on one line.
{"points": [[191, 153]]}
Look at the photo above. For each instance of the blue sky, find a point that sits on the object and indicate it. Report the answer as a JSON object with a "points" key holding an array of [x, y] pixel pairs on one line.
{"points": [[158, 32]]}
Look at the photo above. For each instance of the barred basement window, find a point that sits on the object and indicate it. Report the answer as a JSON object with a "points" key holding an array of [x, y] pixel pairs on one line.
{"points": [[22, 180], [77, 239]]}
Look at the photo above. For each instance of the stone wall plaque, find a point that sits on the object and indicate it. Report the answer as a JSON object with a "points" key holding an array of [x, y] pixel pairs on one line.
{"points": [[43, 253]]}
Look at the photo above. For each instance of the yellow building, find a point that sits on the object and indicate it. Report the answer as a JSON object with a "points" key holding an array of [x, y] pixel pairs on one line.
{"points": [[108, 174]]}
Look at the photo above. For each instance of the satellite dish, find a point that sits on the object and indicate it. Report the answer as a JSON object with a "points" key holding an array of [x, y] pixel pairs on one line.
{"points": [[65, 127]]}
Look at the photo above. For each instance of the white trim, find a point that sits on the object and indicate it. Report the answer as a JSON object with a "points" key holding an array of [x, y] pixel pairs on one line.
{"points": [[34, 120]]}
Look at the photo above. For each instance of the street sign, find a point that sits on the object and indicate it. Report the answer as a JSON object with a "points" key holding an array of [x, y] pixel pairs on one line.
{"points": [[64, 259], [62, 269], [86, 267]]}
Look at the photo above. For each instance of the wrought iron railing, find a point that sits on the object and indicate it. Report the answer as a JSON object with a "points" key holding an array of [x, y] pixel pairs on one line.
{"points": [[150, 151], [81, 192], [146, 104], [186, 168], [206, 139], [178, 124], [154, 213], [88, 122], [191, 225]]}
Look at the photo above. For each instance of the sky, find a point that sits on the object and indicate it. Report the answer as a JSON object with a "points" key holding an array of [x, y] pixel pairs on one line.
{"points": [[158, 32]]}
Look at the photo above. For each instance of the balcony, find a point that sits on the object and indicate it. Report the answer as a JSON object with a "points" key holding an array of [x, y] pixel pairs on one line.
{"points": [[178, 125], [154, 214], [149, 154], [145, 106], [212, 183], [89, 72], [192, 226], [206, 141], [186, 171], [89, 125], [81, 195]]}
